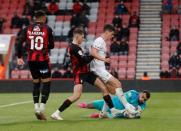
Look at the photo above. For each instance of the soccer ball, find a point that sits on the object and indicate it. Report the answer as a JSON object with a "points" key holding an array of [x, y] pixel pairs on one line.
{"points": [[129, 115]]}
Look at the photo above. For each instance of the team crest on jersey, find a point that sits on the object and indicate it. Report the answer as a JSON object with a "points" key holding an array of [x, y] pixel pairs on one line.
{"points": [[36, 28], [80, 52]]}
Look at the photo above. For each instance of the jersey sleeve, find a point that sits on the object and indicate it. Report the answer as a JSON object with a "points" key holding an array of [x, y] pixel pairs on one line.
{"points": [[97, 44], [142, 106], [19, 42], [81, 56], [51, 39], [128, 95]]}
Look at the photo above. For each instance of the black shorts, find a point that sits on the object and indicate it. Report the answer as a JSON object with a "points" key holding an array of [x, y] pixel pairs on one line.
{"points": [[40, 69], [89, 77]]}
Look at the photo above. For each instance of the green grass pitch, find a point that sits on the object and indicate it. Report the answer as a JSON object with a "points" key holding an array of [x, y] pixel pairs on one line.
{"points": [[163, 113]]}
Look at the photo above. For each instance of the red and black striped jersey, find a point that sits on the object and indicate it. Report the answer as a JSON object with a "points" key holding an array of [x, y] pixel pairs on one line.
{"points": [[39, 38], [78, 59]]}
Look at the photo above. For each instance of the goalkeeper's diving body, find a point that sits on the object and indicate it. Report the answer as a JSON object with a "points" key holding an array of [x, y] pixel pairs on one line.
{"points": [[135, 98]]}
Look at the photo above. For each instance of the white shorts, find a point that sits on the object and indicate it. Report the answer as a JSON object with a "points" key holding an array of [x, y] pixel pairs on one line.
{"points": [[104, 75]]}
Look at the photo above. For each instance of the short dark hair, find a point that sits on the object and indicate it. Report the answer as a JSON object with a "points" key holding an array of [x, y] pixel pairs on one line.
{"points": [[109, 27], [148, 95], [40, 13], [78, 31]]}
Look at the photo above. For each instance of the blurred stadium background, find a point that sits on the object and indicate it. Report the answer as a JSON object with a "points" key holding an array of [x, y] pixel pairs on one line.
{"points": [[147, 35], [145, 54]]}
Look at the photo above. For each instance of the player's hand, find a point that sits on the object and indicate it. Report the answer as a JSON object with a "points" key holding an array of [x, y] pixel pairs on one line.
{"points": [[20, 61], [139, 110], [107, 60], [130, 108]]}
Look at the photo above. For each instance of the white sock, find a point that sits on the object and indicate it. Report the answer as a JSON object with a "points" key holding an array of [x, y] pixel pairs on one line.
{"points": [[57, 112], [104, 108], [42, 107], [113, 109], [36, 106], [120, 94]]}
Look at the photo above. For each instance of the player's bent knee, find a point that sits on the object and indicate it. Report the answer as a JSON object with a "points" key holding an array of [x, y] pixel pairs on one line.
{"points": [[45, 80], [116, 83], [36, 80], [112, 91], [75, 97]]}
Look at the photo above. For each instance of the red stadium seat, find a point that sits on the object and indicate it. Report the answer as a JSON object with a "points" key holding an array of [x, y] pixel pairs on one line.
{"points": [[166, 17], [132, 43], [133, 30], [64, 45], [15, 74], [125, 19], [57, 44], [59, 18], [165, 57], [123, 58], [122, 64], [7, 31], [165, 43], [100, 24], [108, 21], [133, 36], [67, 18], [131, 73], [122, 73], [15, 31], [102, 11], [99, 30], [24, 74], [92, 24], [131, 64], [132, 50], [114, 58], [91, 30], [114, 65], [131, 57]]}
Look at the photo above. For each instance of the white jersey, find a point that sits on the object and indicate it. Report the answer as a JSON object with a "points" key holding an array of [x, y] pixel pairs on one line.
{"points": [[98, 66], [100, 45]]}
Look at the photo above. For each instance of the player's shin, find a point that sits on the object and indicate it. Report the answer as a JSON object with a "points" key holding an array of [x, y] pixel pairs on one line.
{"points": [[120, 94], [65, 105], [108, 101], [36, 95], [103, 112], [105, 107], [45, 94]]}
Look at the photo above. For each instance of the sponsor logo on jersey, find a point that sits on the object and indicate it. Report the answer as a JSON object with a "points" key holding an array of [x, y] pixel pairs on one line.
{"points": [[36, 28], [80, 52], [44, 71]]}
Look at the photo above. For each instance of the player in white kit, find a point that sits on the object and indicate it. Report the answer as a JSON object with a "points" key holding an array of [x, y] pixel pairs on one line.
{"points": [[98, 51]]}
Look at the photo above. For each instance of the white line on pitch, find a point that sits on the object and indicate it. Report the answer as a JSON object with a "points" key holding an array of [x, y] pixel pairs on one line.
{"points": [[14, 104]]}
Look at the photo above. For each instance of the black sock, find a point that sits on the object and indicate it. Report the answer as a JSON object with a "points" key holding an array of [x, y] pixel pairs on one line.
{"points": [[36, 92], [45, 92], [108, 101], [65, 105]]}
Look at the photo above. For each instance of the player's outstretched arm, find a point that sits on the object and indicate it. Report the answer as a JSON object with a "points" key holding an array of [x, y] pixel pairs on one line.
{"points": [[82, 57]]}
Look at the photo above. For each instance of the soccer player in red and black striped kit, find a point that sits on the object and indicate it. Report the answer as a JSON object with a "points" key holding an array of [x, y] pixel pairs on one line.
{"points": [[82, 74], [39, 38]]}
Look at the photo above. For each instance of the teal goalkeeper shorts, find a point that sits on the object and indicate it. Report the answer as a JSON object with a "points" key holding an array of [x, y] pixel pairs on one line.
{"points": [[98, 104]]}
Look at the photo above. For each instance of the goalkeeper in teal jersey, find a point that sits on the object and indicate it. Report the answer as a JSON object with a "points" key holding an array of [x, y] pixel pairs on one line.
{"points": [[137, 99]]}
